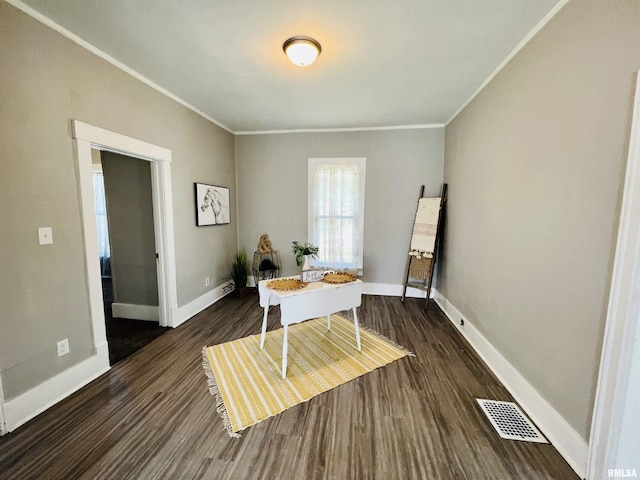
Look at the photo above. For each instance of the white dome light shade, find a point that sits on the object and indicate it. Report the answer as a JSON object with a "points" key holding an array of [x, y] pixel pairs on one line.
{"points": [[302, 51]]}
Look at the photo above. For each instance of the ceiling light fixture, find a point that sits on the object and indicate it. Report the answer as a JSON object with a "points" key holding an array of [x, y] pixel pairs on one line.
{"points": [[302, 51]]}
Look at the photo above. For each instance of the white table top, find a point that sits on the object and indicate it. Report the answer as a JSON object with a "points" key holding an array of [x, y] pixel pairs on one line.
{"points": [[309, 288]]}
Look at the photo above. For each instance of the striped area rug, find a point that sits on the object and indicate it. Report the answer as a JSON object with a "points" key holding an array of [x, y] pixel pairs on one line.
{"points": [[247, 383]]}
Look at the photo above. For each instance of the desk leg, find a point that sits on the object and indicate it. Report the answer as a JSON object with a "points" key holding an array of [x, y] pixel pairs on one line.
{"points": [[285, 348], [355, 323], [328, 322], [264, 326]]}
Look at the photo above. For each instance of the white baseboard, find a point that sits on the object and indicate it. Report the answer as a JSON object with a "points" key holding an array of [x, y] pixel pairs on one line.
{"points": [[573, 448], [185, 312], [150, 313], [31, 403], [392, 290], [28, 405]]}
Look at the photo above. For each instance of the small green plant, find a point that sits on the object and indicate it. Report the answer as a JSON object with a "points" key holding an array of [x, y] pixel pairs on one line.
{"points": [[239, 270], [302, 249]]}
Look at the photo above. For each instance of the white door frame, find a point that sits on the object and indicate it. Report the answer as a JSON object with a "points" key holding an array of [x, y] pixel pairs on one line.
{"points": [[3, 424], [623, 315], [87, 137]]}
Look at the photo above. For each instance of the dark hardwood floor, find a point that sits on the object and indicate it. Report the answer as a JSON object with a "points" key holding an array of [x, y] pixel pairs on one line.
{"points": [[152, 417], [125, 336]]}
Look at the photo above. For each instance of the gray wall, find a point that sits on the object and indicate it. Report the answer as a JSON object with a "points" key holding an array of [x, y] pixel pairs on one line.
{"points": [[535, 167], [272, 181], [128, 192], [46, 81]]}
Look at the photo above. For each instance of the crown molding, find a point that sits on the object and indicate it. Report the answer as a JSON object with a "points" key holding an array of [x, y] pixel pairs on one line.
{"points": [[550, 14], [336, 130], [96, 51]]}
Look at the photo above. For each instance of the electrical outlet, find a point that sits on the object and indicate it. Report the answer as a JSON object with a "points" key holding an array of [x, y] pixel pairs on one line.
{"points": [[207, 281], [63, 347]]}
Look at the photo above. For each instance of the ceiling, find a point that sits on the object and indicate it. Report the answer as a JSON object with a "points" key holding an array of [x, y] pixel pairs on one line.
{"points": [[383, 62]]}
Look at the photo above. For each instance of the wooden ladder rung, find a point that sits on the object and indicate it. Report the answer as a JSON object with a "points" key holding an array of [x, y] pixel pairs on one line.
{"points": [[418, 286]]}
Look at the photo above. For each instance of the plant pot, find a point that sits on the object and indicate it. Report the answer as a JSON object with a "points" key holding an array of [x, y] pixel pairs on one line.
{"points": [[306, 265], [243, 292]]}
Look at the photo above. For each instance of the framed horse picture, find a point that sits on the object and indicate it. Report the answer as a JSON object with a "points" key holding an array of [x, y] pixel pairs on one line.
{"points": [[212, 205]]}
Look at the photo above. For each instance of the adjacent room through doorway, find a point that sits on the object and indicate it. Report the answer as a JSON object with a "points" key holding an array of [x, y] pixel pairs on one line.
{"points": [[126, 244]]}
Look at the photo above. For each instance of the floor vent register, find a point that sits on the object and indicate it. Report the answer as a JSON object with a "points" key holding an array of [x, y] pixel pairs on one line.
{"points": [[510, 422]]}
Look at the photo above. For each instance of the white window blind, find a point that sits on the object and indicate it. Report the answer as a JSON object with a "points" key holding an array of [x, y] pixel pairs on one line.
{"points": [[336, 211]]}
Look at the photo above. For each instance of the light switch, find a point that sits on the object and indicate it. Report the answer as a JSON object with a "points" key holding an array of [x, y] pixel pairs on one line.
{"points": [[45, 235]]}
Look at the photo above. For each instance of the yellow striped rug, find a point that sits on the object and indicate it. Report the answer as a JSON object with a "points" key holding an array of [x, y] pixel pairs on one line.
{"points": [[247, 383]]}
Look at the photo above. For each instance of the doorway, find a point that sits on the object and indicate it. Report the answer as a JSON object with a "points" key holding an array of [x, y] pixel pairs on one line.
{"points": [[615, 429], [127, 253], [88, 137]]}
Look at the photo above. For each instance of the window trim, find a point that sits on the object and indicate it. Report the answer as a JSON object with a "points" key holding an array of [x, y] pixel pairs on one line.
{"points": [[361, 163]]}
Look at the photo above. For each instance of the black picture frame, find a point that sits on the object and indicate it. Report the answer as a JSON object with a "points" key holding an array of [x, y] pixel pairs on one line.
{"points": [[212, 205]]}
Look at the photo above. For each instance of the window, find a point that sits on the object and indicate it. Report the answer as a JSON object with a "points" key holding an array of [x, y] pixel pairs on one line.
{"points": [[336, 211], [102, 223]]}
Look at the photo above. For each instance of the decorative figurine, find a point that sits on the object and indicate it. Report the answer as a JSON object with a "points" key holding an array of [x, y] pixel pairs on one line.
{"points": [[265, 244]]}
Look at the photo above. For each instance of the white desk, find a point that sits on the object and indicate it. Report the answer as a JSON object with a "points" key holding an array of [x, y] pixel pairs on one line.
{"points": [[317, 299]]}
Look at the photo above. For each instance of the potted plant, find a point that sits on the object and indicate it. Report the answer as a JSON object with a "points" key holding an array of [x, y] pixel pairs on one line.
{"points": [[302, 252], [239, 274]]}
